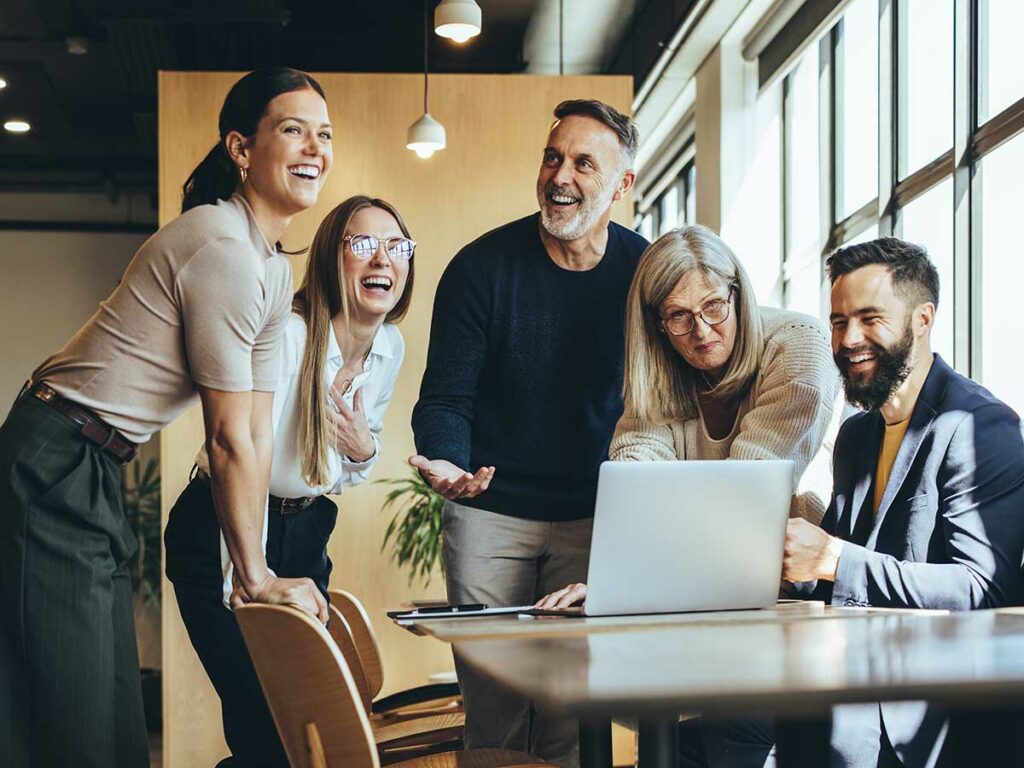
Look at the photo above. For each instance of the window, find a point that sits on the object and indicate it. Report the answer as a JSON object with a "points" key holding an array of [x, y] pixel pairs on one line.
{"points": [[925, 82], [1002, 272], [672, 200], [928, 221], [1000, 74], [856, 68], [801, 272], [871, 117]]}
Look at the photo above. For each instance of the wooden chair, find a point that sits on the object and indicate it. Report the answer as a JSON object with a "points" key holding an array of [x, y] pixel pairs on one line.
{"points": [[415, 734], [438, 698], [316, 706]]}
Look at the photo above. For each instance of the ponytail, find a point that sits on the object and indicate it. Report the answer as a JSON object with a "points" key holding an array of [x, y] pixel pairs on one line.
{"points": [[215, 178]]}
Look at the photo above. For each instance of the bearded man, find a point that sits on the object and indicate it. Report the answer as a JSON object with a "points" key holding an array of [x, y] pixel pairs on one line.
{"points": [[928, 502], [521, 393]]}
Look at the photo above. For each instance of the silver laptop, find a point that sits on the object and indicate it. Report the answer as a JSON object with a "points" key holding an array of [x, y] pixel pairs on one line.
{"points": [[675, 536]]}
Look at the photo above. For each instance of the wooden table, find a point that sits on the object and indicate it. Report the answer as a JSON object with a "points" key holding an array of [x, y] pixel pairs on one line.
{"points": [[792, 661]]}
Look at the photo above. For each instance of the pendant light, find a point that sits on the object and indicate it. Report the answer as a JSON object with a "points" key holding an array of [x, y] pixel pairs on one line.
{"points": [[458, 20], [426, 136]]}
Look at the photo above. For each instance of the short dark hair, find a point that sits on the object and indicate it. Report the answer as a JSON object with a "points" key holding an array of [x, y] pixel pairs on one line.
{"points": [[913, 273], [622, 125]]}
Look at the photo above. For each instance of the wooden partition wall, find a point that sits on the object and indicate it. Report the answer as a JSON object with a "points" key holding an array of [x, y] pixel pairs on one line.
{"points": [[496, 127]]}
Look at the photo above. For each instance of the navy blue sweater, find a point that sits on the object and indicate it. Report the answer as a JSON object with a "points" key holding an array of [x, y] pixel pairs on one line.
{"points": [[524, 370]]}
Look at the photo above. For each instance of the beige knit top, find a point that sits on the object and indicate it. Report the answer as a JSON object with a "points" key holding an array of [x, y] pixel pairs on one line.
{"points": [[792, 411]]}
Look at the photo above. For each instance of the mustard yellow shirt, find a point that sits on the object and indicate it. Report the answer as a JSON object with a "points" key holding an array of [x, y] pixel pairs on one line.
{"points": [[887, 457]]}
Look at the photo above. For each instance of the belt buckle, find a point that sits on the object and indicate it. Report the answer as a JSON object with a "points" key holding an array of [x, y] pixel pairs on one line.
{"points": [[292, 506], [44, 393]]}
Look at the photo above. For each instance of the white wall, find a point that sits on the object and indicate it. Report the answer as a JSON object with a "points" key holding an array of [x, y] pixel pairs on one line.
{"points": [[52, 282]]}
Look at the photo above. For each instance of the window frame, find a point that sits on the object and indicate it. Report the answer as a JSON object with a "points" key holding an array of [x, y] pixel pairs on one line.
{"points": [[972, 142]]}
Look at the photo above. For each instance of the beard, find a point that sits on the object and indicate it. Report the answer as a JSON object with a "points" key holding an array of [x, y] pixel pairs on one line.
{"points": [[892, 366], [588, 212]]}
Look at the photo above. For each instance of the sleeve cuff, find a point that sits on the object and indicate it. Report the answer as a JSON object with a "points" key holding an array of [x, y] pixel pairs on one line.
{"points": [[850, 588]]}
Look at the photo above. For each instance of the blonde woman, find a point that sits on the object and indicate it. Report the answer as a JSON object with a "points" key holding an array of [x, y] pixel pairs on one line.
{"points": [[341, 355], [709, 374]]}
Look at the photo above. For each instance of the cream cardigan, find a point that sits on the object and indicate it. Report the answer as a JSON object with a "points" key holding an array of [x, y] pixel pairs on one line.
{"points": [[792, 411]]}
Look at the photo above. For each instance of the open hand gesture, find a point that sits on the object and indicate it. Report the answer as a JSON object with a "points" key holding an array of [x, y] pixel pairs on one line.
{"points": [[450, 481]]}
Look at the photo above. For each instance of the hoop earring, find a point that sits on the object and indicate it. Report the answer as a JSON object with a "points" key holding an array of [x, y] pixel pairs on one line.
{"points": [[244, 173]]}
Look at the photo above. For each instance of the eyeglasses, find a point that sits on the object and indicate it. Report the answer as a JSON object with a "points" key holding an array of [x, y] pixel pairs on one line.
{"points": [[365, 246], [712, 313]]}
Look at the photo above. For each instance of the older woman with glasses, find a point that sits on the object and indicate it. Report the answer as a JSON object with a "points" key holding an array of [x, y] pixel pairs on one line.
{"points": [[341, 355], [711, 375]]}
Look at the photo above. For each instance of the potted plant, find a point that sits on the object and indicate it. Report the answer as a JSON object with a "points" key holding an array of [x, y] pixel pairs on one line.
{"points": [[415, 530]]}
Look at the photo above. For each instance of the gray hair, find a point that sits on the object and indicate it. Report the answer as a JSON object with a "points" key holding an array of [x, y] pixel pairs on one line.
{"points": [[623, 127], [659, 386]]}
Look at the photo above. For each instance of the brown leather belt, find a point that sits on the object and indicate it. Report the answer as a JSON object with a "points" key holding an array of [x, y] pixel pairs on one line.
{"points": [[290, 506], [91, 426], [276, 504]]}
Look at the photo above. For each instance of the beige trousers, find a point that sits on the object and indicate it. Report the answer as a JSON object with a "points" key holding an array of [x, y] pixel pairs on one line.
{"points": [[501, 560]]}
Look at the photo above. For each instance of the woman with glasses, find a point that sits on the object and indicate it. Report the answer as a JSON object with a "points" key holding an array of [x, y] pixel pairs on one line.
{"points": [[340, 359], [711, 375]]}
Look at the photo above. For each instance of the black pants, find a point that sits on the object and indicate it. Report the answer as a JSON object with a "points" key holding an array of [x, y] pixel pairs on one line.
{"points": [[70, 691], [296, 546]]}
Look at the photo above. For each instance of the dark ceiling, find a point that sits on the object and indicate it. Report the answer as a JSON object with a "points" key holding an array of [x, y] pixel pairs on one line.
{"points": [[94, 114]]}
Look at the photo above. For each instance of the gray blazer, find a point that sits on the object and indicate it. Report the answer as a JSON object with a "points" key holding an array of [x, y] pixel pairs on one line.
{"points": [[949, 532]]}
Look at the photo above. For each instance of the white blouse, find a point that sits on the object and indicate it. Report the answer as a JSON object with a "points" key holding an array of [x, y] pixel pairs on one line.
{"points": [[380, 371]]}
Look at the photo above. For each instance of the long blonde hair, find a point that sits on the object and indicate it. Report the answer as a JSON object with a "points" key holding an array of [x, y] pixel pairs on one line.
{"points": [[318, 300], [659, 386]]}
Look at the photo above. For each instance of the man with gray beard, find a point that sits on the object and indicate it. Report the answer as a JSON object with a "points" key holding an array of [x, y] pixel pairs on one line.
{"points": [[521, 394]]}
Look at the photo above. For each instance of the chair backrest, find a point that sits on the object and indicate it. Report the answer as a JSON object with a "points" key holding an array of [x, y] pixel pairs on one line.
{"points": [[364, 636], [341, 634], [308, 687]]}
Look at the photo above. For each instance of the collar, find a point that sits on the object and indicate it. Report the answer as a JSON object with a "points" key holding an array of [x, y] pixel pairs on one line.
{"points": [[934, 389], [381, 346]]}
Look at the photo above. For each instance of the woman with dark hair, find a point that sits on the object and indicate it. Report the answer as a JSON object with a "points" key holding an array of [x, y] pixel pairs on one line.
{"points": [[198, 315], [340, 358]]}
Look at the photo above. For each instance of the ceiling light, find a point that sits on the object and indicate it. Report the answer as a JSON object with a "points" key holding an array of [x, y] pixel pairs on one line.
{"points": [[3, 83], [426, 136], [77, 46], [458, 19], [17, 126]]}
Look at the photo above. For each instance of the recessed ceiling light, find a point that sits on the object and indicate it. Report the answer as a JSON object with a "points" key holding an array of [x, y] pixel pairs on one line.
{"points": [[3, 83], [17, 126]]}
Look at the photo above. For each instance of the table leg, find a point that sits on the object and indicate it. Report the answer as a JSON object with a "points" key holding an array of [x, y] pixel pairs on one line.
{"points": [[595, 744], [658, 742], [800, 743]]}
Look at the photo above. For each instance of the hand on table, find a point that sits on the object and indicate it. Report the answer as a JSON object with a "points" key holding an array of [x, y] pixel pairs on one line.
{"points": [[809, 553], [348, 429], [566, 597], [450, 481]]}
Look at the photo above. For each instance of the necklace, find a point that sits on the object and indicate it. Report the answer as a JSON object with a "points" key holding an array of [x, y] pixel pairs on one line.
{"points": [[708, 386]]}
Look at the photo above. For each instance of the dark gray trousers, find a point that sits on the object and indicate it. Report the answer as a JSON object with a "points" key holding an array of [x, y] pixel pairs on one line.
{"points": [[70, 690]]}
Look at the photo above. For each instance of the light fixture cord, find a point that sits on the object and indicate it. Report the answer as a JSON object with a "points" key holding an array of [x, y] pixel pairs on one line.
{"points": [[561, 24], [426, 38]]}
